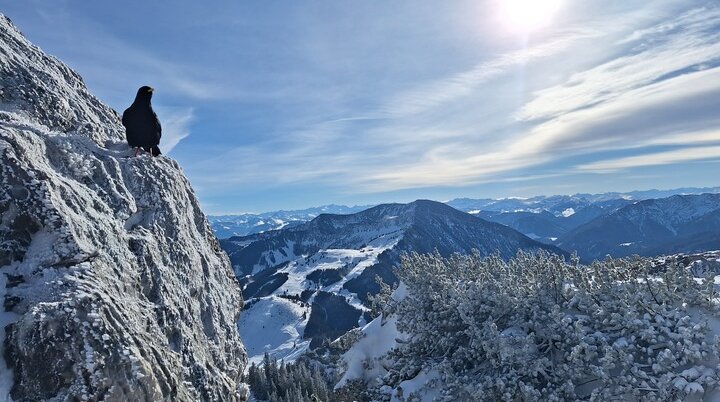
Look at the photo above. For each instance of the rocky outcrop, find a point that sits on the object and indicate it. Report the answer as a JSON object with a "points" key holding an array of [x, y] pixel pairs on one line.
{"points": [[115, 287]]}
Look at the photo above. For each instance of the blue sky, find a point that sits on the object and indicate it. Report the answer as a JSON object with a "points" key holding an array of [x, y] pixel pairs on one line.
{"points": [[288, 104]]}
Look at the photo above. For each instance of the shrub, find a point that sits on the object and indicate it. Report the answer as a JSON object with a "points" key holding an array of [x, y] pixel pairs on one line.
{"points": [[539, 327]]}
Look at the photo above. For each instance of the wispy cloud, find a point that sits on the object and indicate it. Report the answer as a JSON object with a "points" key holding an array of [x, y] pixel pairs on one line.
{"points": [[653, 159], [688, 44], [433, 94], [664, 94], [400, 145], [673, 107]]}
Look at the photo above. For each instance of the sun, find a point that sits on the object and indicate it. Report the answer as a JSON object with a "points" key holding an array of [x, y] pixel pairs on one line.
{"points": [[526, 16]]}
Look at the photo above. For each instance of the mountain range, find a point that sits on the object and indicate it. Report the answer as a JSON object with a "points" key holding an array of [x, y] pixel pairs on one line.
{"points": [[681, 223], [321, 273], [545, 218], [247, 223], [328, 266]]}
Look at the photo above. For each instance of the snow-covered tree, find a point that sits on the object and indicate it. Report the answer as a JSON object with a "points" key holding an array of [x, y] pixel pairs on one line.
{"points": [[539, 327], [292, 382]]}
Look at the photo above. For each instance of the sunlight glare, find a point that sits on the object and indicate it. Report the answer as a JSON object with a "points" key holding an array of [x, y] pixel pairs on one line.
{"points": [[525, 16]]}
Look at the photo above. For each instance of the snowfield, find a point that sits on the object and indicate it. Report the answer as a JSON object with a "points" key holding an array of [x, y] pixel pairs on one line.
{"points": [[354, 260], [274, 325]]}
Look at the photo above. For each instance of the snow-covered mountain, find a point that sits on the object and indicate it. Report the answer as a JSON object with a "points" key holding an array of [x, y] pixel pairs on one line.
{"points": [[681, 223], [244, 224], [547, 218], [544, 218], [558, 205], [114, 285], [328, 266]]}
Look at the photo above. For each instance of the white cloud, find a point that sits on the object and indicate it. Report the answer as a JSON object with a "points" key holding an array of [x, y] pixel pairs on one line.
{"points": [[684, 104], [175, 125], [698, 138]]}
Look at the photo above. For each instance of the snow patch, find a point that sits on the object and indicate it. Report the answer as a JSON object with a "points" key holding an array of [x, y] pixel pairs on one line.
{"points": [[422, 388], [568, 212]]}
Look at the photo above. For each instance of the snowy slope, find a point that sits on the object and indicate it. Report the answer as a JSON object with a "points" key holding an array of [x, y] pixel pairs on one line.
{"points": [[274, 325], [268, 325], [114, 285], [365, 358]]}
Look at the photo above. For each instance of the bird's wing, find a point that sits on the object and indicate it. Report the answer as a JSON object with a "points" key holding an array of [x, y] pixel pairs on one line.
{"points": [[157, 125], [126, 123]]}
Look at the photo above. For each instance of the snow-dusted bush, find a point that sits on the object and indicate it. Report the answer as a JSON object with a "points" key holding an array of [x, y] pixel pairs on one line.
{"points": [[540, 328]]}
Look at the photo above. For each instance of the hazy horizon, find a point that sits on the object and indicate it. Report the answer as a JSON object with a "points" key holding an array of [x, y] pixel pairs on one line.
{"points": [[456, 198]]}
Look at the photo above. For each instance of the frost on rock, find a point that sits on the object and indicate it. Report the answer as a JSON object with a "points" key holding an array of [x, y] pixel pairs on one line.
{"points": [[115, 287]]}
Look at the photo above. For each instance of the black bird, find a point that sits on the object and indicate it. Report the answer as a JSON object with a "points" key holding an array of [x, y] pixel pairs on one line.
{"points": [[142, 127]]}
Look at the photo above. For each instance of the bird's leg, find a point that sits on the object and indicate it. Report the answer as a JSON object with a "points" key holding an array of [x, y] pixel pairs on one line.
{"points": [[137, 151]]}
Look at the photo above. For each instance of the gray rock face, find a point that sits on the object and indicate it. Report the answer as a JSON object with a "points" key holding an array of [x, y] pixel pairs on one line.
{"points": [[115, 287]]}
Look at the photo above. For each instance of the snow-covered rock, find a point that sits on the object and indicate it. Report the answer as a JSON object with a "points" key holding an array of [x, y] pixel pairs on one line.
{"points": [[115, 287]]}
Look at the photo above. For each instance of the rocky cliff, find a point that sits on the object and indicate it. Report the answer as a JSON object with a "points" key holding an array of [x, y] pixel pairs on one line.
{"points": [[114, 285]]}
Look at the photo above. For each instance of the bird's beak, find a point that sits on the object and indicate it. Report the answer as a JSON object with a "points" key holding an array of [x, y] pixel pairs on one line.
{"points": [[151, 90]]}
